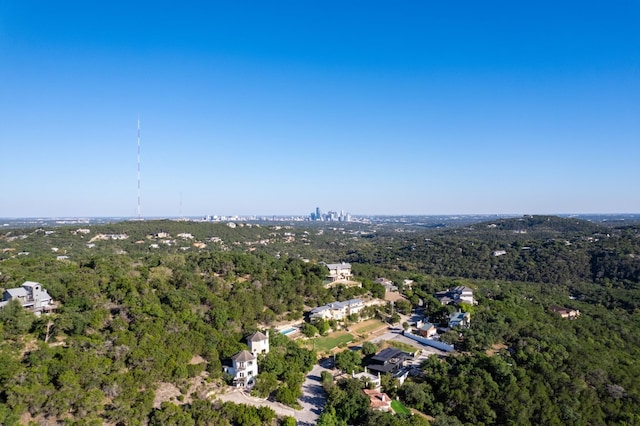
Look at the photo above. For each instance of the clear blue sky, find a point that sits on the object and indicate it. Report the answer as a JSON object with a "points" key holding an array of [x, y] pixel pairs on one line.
{"points": [[416, 107]]}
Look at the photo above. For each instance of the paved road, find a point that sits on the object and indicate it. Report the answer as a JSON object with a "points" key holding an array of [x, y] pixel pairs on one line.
{"points": [[312, 400], [238, 396]]}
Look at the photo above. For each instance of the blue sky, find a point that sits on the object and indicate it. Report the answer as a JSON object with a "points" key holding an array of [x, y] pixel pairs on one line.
{"points": [[415, 107]]}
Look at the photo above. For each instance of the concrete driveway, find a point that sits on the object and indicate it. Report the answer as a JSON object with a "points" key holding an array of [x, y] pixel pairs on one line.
{"points": [[313, 397], [312, 400]]}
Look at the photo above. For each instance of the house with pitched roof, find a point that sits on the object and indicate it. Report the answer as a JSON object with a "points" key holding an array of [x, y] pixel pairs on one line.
{"points": [[258, 343], [31, 295], [379, 401], [337, 310], [244, 368], [244, 364], [339, 271]]}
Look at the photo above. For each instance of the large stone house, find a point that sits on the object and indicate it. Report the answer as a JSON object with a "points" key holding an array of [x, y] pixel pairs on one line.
{"points": [[339, 271], [31, 295], [337, 310]]}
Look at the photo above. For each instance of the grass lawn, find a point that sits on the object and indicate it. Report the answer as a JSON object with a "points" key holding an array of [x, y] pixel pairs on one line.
{"points": [[399, 345], [399, 408], [325, 344], [367, 326]]}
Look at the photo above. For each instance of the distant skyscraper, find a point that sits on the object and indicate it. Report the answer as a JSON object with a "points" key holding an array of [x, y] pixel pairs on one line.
{"points": [[318, 214]]}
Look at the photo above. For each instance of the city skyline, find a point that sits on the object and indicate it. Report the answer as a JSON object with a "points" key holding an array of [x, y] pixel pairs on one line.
{"points": [[255, 109]]}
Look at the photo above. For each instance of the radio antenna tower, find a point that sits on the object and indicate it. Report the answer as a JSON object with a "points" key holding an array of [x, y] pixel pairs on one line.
{"points": [[138, 166]]}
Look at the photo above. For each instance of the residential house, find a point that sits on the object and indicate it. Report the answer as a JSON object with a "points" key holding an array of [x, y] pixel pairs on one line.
{"points": [[427, 330], [31, 295], [244, 364], [373, 380], [387, 284], [379, 401], [339, 271], [258, 343], [337, 310], [565, 312], [390, 361], [456, 295], [460, 320], [244, 368]]}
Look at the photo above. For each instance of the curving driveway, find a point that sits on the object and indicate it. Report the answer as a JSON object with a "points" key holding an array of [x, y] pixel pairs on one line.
{"points": [[312, 400]]}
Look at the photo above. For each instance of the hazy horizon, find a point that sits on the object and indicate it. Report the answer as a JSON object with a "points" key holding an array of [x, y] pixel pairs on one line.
{"points": [[405, 109]]}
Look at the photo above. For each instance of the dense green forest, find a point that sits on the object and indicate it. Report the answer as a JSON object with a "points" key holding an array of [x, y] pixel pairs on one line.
{"points": [[146, 303]]}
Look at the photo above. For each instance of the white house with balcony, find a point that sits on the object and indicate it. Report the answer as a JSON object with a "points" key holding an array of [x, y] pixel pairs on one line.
{"points": [[244, 369], [339, 271], [244, 364]]}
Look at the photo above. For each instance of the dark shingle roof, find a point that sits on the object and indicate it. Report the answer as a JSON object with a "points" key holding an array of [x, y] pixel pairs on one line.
{"points": [[257, 337]]}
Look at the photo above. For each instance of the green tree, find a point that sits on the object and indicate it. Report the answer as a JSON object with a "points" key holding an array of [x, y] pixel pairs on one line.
{"points": [[266, 382], [15, 319], [348, 361]]}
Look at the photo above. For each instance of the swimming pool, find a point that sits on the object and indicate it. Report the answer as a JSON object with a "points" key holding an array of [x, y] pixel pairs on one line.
{"points": [[288, 330]]}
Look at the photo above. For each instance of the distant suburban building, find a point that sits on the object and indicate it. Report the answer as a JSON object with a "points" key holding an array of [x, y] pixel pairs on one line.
{"points": [[31, 295], [456, 295], [339, 271], [498, 253], [337, 310], [387, 284], [460, 319], [565, 312]]}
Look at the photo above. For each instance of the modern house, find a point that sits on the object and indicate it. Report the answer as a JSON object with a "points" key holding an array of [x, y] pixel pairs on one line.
{"points": [[337, 310], [339, 271], [456, 295], [390, 361], [31, 295]]}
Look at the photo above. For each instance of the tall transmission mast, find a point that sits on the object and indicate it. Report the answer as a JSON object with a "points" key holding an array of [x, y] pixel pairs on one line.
{"points": [[138, 166]]}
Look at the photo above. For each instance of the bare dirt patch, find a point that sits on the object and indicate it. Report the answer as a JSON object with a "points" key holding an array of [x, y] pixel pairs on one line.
{"points": [[495, 349]]}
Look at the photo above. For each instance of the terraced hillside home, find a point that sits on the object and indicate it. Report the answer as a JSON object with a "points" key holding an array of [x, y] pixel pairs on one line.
{"points": [[31, 295]]}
